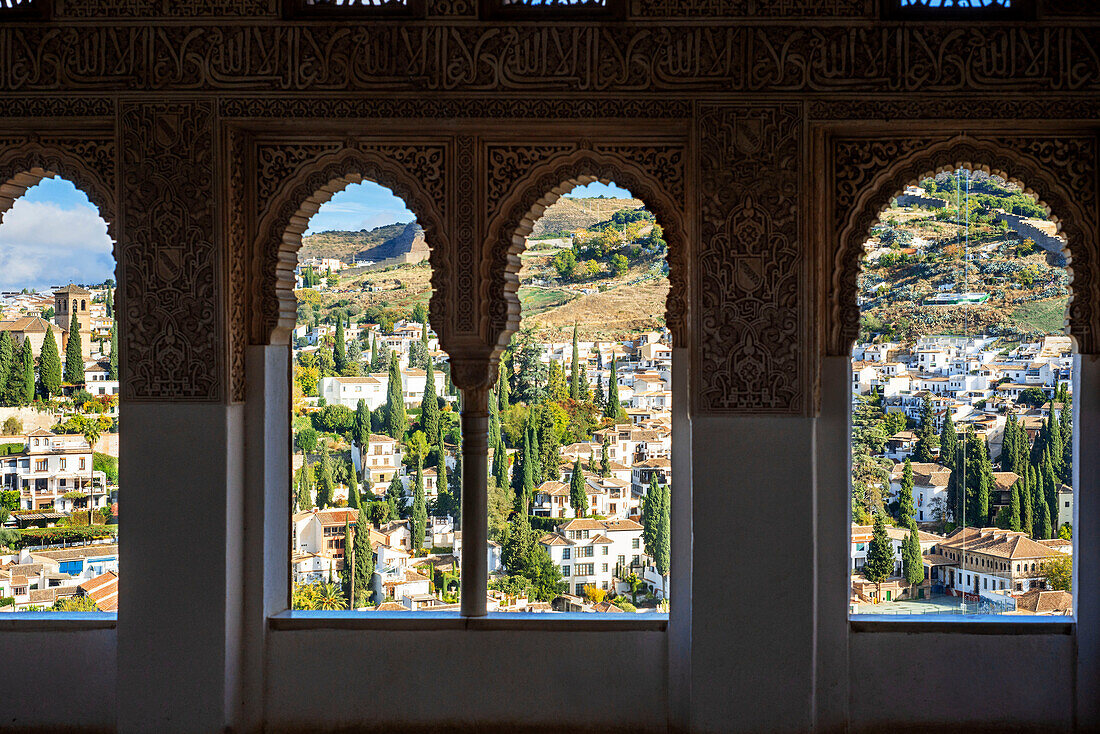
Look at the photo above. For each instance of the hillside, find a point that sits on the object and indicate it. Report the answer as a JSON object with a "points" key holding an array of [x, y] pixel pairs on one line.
{"points": [[918, 253], [569, 214], [347, 245]]}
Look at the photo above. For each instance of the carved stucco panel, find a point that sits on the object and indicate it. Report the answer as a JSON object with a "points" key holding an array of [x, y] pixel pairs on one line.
{"points": [[750, 288], [173, 337]]}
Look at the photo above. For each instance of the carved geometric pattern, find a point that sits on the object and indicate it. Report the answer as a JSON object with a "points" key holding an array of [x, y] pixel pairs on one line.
{"points": [[278, 162], [173, 336], [458, 57], [508, 163], [1060, 171], [751, 8], [268, 107], [82, 106], [750, 295], [933, 108], [465, 242], [237, 238], [415, 173], [541, 184], [87, 161], [165, 8]]}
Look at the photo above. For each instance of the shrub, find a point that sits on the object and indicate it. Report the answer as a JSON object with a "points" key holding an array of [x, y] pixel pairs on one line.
{"points": [[106, 464]]}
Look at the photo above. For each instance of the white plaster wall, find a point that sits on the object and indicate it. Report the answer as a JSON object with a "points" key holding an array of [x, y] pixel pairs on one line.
{"points": [[45, 666], [386, 680], [753, 576]]}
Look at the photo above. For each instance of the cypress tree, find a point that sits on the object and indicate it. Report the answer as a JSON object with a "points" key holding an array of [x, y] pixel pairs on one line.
{"points": [[49, 366], [354, 501], [346, 570], [663, 557], [880, 553], [374, 353], [598, 399], [305, 488], [536, 454], [429, 406], [984, 485], [583, 393], [364, 561], [905, 495], [397, 421], [505, 390], [360, 434], [424, 339], [1015, 511], [325, 484], [1008, 445], [1050, 486], [614, 408], [605, 459], [26, 392], [112, 369], [74, 355], [650, 504], [912, 562], [500, 463], [578, 497], [1044, 523], [7, 360], [949, 441], [926, 437], [1037, 502], [110, 302], [1027, 520], [494, 414], [1057, 450], [419, 510], [339, 349], [395, 493], [575, 369]]}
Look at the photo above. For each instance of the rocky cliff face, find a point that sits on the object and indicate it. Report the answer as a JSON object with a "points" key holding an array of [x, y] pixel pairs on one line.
{"points": [[383, 243]]}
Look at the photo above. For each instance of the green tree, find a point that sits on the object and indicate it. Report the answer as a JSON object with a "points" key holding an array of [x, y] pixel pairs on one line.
{"points": [[912, 562], [650, 504], [307, 440], [429, 407], [395, 496], [325, 483], [578, 496], [575, 368], [880, 553], [7, 362], [1058, 573], [1015, 509], [1027, 516], [663, 557], [112, 368], [74, 355], [363, 563], [397, 421], [26, 391], [926, 435], [1044, 530], [500, 505], [500, 463], [949, 441], [605, 458], [339, 348], [905, 496], [304, 487], [504, 392], [360, 434], [419, 510], [614, 408], [110, 302], [49, 366]]}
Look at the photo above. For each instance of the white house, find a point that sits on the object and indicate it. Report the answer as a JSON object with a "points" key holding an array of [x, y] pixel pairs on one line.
{"points": [[588, 551]]}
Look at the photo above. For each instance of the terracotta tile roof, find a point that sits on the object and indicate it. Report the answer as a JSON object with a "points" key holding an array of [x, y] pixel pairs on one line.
{"points": [[621, 525], [997, 542], [606, 607], [72, 290], [390, 606], [1041, 601], [554, 489], [555, 539], [28, 324], [103, 590], [653, 464], [337, 516], [581, 523], [1003, 480]]}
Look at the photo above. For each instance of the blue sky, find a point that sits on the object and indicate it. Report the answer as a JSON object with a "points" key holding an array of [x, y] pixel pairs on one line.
{"points": [[368, 205], [53, 235]]}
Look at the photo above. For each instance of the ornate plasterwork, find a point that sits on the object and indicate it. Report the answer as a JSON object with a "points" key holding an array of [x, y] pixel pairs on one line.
{"points": [[869, 171], [541, 108], [172, 340], [750, 351], [414, 172], [88, 161], [535, 59], [536, 177], [949, 108]]}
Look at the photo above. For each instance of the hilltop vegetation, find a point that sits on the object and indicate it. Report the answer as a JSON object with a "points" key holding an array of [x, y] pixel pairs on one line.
{"points": [[347, 245], [918, 252], [567, 215]]}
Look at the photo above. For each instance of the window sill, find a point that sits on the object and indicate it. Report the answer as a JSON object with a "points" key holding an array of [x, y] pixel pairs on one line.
{"points": [[57, 621], [499, 621], [978, 624]]}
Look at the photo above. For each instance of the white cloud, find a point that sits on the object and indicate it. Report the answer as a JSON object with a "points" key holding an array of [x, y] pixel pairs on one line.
{"points": [[44, 244]]}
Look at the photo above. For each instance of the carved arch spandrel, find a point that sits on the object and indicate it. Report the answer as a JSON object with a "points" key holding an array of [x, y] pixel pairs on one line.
{"points": [[415, 173], [867, 173], [88, 163], [634, 168]]}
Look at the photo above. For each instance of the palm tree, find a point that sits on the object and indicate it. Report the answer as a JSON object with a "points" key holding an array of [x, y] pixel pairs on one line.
{"points": [[90, 429], [329, 597]]}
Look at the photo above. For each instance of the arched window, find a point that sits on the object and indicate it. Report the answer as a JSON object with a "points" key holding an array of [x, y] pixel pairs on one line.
{"points": [[962, 373], [375, 415], [53, 234], [581, 417]]}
